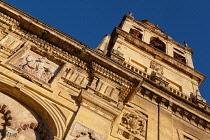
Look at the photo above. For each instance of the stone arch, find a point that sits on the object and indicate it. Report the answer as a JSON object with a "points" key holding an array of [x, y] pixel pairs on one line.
{"points": [[17, 118], [37, 104], [157, 43]]}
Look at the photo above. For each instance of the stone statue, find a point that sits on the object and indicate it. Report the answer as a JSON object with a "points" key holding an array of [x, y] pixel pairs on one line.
{"points": [[185, 44]]}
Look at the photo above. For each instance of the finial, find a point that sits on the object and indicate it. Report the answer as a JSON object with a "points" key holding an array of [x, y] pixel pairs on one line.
{"points": [[157, 26], [185, 44], [130, 14]]}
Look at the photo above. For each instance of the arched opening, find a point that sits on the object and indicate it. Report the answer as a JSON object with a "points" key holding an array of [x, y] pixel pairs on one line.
{"points": [[136, 33], [157, 43], [36, 104], [20, 122]]}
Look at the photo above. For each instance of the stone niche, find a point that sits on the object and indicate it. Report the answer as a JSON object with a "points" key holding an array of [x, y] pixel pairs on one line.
{"points": [[37, 65], [18, 122]]}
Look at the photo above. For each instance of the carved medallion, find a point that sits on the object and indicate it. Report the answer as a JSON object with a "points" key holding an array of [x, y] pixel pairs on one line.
{"points": [[134, 123]]}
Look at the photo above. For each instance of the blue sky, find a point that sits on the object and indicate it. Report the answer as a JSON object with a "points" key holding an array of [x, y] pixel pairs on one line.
{"points": [[89, 20]]}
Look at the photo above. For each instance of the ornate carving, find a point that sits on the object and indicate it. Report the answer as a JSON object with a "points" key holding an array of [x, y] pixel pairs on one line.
{"points": [[134, 123], [85, 136], [157, 67], [81, 132], [9, 21], [56, 52], [37, 65]]}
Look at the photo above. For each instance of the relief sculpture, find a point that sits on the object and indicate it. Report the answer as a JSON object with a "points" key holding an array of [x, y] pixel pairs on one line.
{"points": [[134, 123], [81, 132], [38, 66]]}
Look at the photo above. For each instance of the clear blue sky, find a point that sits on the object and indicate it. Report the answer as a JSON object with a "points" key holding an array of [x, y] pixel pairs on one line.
{"points": [[89, 20]]}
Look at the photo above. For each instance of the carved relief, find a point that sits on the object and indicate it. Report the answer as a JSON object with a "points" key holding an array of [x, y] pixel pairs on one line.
{"points": [[37, 65], [157, 67], [81, 132], [132, 125]]}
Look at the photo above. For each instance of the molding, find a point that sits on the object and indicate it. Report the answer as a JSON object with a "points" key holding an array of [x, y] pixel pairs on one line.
{"points": [[179, 109]]}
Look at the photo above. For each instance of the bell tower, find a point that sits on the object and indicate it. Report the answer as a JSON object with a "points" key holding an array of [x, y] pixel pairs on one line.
{"points": [[170, 86], [147, 50]]}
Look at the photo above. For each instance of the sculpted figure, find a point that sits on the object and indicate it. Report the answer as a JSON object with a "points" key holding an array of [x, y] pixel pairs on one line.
{"points": [[47, 75], [29, 66], [38, 68]]}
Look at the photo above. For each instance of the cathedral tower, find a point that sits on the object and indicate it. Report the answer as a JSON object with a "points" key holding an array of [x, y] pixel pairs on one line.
{"points": [[138, 84]]}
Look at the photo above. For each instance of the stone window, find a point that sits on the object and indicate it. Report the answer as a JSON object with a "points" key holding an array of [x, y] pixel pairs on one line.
{"points": [[179, 57], [136, 33], [158, 44]]}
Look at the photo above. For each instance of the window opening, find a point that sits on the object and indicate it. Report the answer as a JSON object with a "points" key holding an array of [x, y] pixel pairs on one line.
{"points": [[136, 33], [157, 43], [180, 58]]}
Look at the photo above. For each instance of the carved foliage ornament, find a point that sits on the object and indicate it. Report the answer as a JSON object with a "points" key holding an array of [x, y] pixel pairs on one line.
{"points": [[134, 123]]}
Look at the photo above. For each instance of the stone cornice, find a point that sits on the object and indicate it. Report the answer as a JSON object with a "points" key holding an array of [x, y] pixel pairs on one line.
{"points": [[166, 94], [192, 73], [154, 30], [63, 45], [178, 108]]}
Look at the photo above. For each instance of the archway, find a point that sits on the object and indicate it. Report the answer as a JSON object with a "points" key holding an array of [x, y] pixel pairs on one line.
{"points": [[157, 43], [20, 122], [35, 103]]}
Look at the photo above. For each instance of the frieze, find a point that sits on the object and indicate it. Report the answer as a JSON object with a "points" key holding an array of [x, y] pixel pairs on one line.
{"points": [[98, 109], [8, 20], [125, 84], [52, 50], [72, 84]]}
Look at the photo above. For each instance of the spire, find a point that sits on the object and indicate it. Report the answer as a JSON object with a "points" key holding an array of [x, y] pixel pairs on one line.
{"points": [[102, 47]]}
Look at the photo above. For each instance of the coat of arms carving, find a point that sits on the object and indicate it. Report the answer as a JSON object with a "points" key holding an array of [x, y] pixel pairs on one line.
{"points": [[134, 123]]}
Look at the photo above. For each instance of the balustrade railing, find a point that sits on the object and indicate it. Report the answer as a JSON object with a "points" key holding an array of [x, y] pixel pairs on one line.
{"points": [[170, 88]]}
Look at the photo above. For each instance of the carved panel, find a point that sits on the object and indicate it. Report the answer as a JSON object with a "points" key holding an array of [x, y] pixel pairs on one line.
{"points": [[81, 132], [133, 125], [37, 65], [157, 67]]}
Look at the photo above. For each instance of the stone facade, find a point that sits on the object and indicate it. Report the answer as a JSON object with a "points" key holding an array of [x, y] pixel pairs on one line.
{"points": [[138, 84]]}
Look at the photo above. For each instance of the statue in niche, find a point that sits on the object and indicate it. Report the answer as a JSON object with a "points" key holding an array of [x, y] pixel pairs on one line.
{"points": [[38, 68]]}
